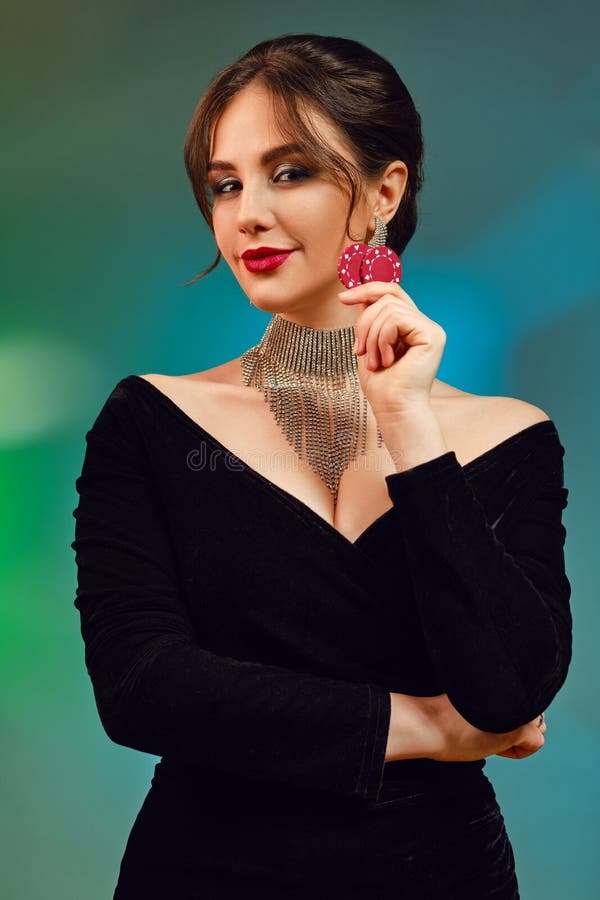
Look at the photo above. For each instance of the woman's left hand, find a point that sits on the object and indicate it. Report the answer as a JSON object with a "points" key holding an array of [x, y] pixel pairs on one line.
{"points": [[399, 349]]}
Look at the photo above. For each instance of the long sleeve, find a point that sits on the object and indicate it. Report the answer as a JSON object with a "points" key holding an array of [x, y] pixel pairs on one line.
{"points": [[494, 610], [157, 689]]}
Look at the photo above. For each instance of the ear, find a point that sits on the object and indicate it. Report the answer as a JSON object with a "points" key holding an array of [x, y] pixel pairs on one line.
{"points": [[388, 190]]}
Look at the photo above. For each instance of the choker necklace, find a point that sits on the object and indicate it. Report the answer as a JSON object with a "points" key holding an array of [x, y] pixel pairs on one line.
{"points": [[309, 376]]}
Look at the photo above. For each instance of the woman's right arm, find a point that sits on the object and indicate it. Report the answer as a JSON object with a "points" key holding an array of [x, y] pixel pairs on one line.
{"points": [[157, 688], [432, 727]]}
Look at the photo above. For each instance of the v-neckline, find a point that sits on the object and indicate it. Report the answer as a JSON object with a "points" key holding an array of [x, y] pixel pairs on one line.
{"points": [[294, 501]]}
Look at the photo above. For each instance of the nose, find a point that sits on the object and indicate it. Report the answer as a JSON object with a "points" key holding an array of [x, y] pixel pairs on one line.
{"points": [[254, 209]]}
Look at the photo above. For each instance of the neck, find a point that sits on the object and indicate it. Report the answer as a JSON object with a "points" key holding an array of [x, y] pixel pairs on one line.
{"points": [[310, 378], [323, 313], [302, 349]]}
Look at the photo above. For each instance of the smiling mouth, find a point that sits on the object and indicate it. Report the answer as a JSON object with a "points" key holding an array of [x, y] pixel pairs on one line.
{"points": [[268, 259]]}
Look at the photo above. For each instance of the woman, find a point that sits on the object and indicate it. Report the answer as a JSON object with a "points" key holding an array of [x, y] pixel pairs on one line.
{"points": [[323, 611]]}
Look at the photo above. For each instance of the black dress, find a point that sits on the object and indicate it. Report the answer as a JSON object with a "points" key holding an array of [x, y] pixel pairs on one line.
{"points": [[230, 630]]}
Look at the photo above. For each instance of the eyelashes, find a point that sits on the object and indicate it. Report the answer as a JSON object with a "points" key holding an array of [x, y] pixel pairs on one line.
{"points": [[297, 173], [289, 175]]}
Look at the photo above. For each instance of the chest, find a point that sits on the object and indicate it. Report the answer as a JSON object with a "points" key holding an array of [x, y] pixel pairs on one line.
{"points": [[242, 423], [263, 567]]}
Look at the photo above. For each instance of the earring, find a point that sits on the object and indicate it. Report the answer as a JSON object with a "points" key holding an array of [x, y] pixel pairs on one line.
{"points": [[360, 263], [379, 235]]}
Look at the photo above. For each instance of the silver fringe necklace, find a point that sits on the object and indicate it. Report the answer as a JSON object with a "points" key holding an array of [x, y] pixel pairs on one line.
{"points": [[309, 377]]}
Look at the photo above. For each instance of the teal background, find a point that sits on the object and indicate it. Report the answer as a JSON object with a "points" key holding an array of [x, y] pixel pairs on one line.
{"points": [[99, 232]]}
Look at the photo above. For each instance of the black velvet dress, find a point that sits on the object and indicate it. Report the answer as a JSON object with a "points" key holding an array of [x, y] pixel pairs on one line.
{"points": [[231, 631]]}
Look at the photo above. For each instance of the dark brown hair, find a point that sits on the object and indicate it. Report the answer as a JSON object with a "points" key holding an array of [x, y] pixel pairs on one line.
{"points": [[358, 90]]}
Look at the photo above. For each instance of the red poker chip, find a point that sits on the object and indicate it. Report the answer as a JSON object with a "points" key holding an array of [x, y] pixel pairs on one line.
{"points": [[380, 264], [349, 264]]}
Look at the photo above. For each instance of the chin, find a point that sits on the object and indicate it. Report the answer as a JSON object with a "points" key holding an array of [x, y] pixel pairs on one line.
{"points": [[270, 305], [276, 296], [268, 296]]}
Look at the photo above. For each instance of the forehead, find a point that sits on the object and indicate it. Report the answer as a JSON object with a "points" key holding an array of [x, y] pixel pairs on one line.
{"points": [[248, 126]]}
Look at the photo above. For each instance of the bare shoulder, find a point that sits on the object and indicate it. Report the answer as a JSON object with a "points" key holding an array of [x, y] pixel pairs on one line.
{"points": [[504, 416], [489, 420], [474, 423], [204, 395], [227, 373]]}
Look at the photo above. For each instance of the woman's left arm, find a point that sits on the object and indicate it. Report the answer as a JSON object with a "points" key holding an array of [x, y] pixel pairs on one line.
{"points": [[495, 612]]}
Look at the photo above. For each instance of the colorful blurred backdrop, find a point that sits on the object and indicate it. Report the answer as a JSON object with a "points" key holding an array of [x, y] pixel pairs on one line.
{"points": [[99, 232]]}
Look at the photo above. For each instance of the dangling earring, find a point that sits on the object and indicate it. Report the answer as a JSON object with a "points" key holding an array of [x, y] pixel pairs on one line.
{"points": [[360, 263], [380, 234]]}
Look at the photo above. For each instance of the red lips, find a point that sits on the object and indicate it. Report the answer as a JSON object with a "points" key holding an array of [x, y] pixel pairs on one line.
{"points": [[264, 259], [259, 252]]}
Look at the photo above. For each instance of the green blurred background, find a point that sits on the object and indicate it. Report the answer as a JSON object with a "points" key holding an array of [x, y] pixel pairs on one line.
{"points": [[99, 232]]}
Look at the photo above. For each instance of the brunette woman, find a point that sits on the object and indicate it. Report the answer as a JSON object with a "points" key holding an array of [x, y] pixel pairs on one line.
{"points": [[321, 584]]}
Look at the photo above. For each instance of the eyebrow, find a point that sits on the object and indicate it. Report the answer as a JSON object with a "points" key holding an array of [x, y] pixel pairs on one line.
{"points": [[267, 157]]}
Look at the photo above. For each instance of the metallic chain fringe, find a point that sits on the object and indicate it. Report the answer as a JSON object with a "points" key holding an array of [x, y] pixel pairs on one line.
{"points": [[304, 373]]}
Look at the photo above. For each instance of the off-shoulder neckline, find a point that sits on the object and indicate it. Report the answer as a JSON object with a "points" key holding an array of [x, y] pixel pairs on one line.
{"points": [[543, 425], [469, 468]]}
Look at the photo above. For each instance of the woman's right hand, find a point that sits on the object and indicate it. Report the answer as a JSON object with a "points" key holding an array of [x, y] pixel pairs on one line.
{"points": [[441, 733]]}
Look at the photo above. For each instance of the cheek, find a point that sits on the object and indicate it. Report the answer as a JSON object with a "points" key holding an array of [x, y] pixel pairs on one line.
{"points": [[322, 220], [334, 217], [329, 239]]}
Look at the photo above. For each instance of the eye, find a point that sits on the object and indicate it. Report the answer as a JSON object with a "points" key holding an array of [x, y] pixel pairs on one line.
{"points": [[286, 175], [292, 173], [225, 186]]}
